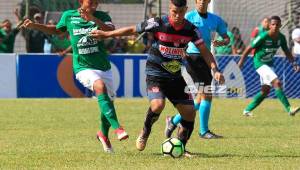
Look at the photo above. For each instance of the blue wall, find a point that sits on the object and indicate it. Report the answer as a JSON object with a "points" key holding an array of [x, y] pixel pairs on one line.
{"points": [[51, 76]]}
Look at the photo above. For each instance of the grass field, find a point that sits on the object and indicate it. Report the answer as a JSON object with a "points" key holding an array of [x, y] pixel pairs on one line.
{"points": [[60, 134]]}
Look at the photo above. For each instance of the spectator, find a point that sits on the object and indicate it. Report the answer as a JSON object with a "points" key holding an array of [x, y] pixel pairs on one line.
{"points": [[35, 39], [227, 49], [120, 45], [238, 45], [8, 35], [296, 39]]}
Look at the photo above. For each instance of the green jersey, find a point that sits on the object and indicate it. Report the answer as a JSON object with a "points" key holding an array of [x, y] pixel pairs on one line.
{"points": [[88, 53], [266, 47]]}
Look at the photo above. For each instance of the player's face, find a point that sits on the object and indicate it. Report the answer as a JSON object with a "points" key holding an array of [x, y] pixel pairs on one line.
{"points": [[177, 13], [90, 5], [202, 5], [275, 26]]}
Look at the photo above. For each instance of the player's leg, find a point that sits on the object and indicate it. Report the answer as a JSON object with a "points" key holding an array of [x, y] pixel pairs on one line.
{"points": [[258, 98], [95, 81], [267, 75], [282, 98], [175, 92], [193, 66], [201, 74], [157, 104]]}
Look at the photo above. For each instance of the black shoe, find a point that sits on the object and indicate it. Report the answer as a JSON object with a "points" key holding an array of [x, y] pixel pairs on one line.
{"points": [[210, 135], [170, 127]]}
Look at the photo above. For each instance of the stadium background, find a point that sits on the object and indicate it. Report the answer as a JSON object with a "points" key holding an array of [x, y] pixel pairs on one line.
{"points": [[240, 13]]}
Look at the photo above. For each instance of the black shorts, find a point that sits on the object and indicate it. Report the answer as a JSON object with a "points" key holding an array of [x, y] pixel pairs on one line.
{"points": [[198, 69], [173, 89]]}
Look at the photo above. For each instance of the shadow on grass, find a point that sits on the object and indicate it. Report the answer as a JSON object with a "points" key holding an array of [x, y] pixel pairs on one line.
{"points": [[204, 155]]}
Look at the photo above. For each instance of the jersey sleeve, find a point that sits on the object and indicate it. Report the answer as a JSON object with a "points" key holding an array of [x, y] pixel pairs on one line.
{"points": [[283, 44], [258, 40], [197, 38], [62, 23], [150, 25], [221, 28]]}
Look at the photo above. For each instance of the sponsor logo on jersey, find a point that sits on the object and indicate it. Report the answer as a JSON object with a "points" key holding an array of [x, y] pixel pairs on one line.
{"points": [[269, 42], [83, 31], [171, 52]]}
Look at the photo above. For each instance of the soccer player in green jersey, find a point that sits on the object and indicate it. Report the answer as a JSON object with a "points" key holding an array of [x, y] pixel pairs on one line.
{"points": [[266, 46], [90, 60]]}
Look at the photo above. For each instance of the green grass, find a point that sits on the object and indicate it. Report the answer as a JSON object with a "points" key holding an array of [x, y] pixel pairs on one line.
{"points": [[60, 134]]}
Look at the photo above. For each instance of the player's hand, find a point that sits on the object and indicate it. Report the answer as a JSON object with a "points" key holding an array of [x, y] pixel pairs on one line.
{"points": [[296, 68], [86, 14], [27, 24], [98, 34], [218, 76]]}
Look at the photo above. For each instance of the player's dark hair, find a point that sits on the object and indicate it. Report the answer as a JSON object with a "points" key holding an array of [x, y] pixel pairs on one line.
{"points": [[179, 3], [275, 17]]}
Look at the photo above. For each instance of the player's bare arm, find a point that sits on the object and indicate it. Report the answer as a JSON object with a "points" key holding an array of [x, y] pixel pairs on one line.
{"points": [[48, 29], [126, 31], [292, 60], [244, 55], [210, 60]]}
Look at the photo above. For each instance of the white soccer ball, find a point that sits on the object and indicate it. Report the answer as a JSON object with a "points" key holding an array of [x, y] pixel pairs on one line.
{"points": [[172, 147]]}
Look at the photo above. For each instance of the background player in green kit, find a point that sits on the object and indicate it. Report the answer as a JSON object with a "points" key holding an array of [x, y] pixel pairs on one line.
{"points": [[90, 63], [266, 46]]}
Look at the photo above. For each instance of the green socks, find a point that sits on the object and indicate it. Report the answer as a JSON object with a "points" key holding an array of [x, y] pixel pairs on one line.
{"points": [[258, 98], [281, 96], [104, 125], [108, 114]]}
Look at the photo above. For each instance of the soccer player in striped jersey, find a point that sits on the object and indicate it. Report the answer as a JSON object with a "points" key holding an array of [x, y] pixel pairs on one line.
{"points": [[266, 45], [207, 24]]}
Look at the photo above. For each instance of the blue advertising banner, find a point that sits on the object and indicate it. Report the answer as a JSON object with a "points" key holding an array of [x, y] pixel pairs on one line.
{"points": [[52, 76]]}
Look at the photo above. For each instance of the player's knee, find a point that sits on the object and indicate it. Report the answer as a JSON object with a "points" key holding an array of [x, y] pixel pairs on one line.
{"points": [[157, 106], [276, 83], [99, 87]]}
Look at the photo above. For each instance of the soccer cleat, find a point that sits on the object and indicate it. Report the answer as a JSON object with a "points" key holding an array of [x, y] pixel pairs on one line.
{"points": [[105, 142], [210, 135], [293, 111], [170, 127], [247, 113], [121, 133], [141, 141]]}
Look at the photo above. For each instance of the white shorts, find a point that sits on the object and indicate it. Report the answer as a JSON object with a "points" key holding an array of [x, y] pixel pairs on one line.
{"points": [[88, 77], [267, 75]]}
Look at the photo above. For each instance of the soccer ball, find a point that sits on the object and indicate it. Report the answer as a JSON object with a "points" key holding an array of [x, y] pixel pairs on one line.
{"points": [[172, 147]]}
